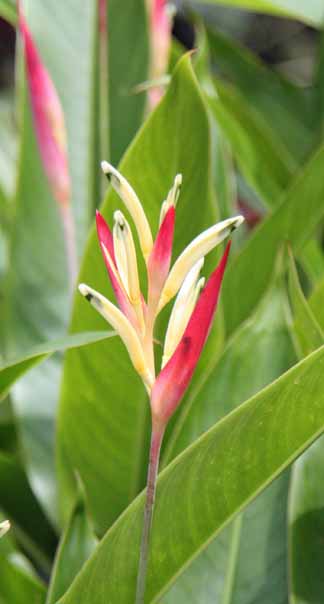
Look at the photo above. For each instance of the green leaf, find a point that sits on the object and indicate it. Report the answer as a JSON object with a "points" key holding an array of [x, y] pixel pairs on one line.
{"points": [[8, 10], [312, 260], [316, 302], [12, 370], [307, 332], [286, 107], [17, 586], [311, 13], [8, 145], [76, 545], [19, 503], [37, 293], [101, 388], [128, 62], [306, 520], [36, 420], [208, 483], [260, 156], [293, 220], [228, 570]]}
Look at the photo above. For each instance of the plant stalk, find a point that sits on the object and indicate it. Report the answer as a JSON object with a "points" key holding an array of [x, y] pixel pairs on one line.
{"points": [[155, 448]]}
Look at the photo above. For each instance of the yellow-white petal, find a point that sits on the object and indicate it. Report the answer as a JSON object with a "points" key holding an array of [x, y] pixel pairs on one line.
{"points": [[182, 310], [4, 527], [133, 204], [174, 192], [125, 255], [198, 248], [121, 324], [172, 197]]}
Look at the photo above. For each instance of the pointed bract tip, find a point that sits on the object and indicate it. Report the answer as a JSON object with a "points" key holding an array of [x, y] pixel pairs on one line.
{"points": [[4, 527], [84, 290], [237, 221], [110, 171], [105, 167], [119, 218]]}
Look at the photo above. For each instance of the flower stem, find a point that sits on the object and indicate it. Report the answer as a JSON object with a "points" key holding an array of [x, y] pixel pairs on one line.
{"points": [[155, 448]]}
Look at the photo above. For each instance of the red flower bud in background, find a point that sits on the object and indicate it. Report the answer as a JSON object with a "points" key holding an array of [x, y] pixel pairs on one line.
{"points": [[51, 137]]}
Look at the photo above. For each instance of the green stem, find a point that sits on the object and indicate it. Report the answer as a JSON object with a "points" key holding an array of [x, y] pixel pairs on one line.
{"points": [[155, 448]]}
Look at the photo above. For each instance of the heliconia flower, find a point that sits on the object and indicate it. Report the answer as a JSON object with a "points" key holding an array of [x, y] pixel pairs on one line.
{"points": [[175, 377], [4, 527], [134, 319], [48, 118], [190, 320]]}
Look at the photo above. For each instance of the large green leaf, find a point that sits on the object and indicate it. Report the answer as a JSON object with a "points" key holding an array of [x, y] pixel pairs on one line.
{"points": [[311, 12], [19, 503], [228, 571], [260, 156], [307, 526], [76, 545], [235, 574], [306, 517], [17, 586], [316, 302], [286, 108], [307, 332], [8, 145], [207, 485], [312, 260], [101, 388], [128, 58], [12, 370], [36, 422], [293, 220]]}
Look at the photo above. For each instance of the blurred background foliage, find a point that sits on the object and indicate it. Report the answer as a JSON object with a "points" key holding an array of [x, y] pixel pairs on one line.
{"points": [[245, 125]]}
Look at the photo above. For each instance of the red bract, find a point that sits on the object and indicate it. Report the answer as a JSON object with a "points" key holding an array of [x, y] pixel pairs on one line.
{"points": [[107, 245], [48, 118], [175, 377], [160, 257]]}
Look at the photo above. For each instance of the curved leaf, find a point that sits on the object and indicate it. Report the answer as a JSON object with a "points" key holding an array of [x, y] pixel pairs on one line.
{"points": [[228, 570], [76, 545], [17, 586], [208, 484], [12, 370], [292, 220], [312, 12], [128, 62]]}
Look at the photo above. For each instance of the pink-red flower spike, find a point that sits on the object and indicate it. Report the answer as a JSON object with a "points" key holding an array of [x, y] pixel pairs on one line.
{"points": [[48, 118], [107, 248], [160, 257], [190, 320], [51, 137], [173, 380]]}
